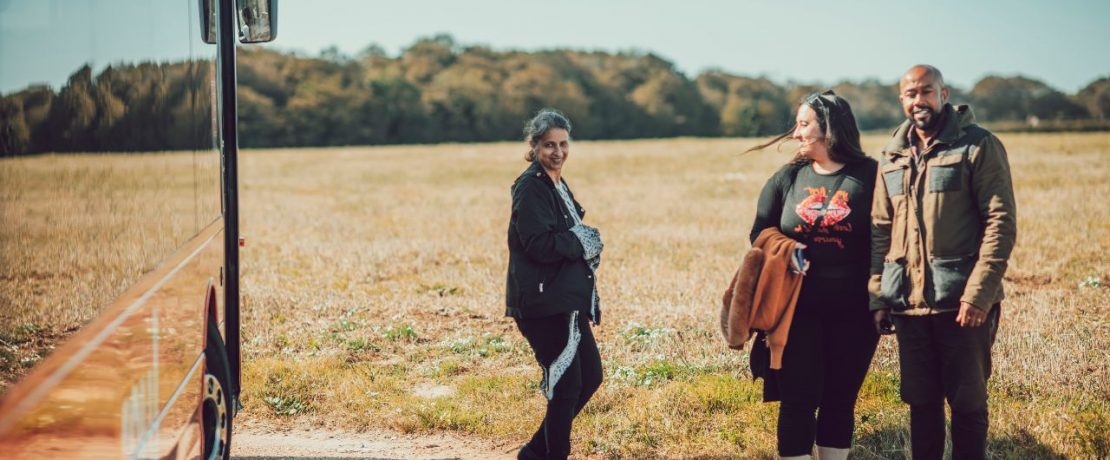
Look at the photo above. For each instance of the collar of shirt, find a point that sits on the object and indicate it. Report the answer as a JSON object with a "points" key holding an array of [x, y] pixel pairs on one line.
{"points": [[914, 142]]}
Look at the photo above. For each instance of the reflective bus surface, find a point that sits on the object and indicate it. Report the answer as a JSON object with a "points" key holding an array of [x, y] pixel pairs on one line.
{"points": [[112, 249]]}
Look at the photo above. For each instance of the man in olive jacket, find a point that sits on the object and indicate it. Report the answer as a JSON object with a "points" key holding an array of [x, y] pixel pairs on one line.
{"points": [[943, 228]]}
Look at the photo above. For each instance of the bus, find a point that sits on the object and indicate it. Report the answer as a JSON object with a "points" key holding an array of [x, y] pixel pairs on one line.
{"points": [[119, 225]]}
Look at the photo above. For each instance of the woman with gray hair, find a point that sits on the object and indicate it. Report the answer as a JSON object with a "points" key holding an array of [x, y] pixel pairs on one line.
{"points": [[550, 288]]}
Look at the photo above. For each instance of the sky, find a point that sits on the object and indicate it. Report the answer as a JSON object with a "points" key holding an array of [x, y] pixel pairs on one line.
{"points": [[44, 41], [1065, 43]]}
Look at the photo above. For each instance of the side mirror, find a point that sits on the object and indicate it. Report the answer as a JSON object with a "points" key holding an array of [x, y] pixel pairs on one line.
{"points": [[208, 21], [257, 20]]}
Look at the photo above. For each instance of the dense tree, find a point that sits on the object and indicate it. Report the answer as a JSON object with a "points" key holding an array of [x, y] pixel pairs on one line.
{"points": [[437, 90], [1096, 98], [427, 57], [15, 136], [71, 115], [1019, 98], [874, 104], [110, 108], [746, 106], [36, 101]]}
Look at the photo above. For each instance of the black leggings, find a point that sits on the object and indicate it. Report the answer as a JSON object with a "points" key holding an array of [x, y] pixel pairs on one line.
{"points": [[828, 352], [548, 337]]}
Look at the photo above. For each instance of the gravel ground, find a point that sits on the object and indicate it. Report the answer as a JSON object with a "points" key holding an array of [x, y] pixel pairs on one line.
{"points": [[257, 443]]}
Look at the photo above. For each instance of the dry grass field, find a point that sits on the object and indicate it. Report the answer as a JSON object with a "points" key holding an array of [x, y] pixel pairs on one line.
{"points": [[374, 280], [373, 291]]}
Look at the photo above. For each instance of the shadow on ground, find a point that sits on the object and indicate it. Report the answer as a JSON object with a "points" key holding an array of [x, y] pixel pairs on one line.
{"points": [[893, 443]]}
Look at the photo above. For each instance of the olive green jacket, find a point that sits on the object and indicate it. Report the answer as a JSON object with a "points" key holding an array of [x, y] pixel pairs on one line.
{"points": [[942, 227]]}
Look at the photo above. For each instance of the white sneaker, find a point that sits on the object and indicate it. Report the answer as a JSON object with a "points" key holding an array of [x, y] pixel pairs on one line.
{"points": [[831, 453]]}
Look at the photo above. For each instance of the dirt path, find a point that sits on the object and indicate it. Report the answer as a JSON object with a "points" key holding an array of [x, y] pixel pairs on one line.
{"points": [[257, 443]]}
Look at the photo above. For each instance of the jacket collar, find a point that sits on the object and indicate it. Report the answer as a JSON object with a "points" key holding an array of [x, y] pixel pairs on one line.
{"points": [[956, 119], [536, 170]]}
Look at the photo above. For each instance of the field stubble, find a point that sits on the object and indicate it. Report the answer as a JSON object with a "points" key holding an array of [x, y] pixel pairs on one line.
{"points": [[374, 283]]}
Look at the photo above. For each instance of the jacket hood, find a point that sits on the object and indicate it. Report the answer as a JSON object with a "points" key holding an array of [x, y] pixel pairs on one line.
{"points": [[956, 120]]}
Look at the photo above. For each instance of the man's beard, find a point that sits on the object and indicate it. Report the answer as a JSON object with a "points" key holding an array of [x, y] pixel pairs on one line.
{"points": [[928, 123]]}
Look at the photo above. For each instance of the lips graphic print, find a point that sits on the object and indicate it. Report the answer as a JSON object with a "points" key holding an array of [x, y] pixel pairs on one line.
{"points": [[809, 208]]}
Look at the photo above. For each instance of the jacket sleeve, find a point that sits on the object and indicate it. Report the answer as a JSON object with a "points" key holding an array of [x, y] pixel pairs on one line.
{"points": [[768, 211], [536, 224], [993, 190], [882, 213]]}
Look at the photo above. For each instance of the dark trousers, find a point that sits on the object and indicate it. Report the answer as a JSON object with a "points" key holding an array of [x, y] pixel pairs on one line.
{"points": [[942, 361], [548, 337], [828, 352]]}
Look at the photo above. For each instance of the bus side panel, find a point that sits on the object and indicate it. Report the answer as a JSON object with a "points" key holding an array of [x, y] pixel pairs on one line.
{"points": [[127, 384], [185, 343]]}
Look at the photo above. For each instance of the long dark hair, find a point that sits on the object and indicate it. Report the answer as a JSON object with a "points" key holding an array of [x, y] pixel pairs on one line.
{"points": [[838, 125]]}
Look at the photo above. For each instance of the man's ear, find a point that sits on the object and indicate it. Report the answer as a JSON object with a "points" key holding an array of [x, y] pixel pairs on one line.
{"points": [[944, 95]]}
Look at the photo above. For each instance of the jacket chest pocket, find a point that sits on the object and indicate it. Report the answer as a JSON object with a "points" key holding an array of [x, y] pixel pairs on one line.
{"points": [[946, 173], [894, 177]]}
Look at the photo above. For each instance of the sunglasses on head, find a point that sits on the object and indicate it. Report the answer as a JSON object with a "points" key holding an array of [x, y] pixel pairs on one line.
{"points": [[826, 99]]}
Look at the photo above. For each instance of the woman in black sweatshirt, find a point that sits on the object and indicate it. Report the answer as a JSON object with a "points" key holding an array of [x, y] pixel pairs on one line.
{"points": [[550, 288], [822, 198]]}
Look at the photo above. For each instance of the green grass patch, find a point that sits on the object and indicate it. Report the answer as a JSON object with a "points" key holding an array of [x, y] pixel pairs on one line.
{"points": [[399, 332]]}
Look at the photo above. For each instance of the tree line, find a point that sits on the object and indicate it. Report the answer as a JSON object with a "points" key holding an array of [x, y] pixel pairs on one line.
{"points": [[437, 90]]}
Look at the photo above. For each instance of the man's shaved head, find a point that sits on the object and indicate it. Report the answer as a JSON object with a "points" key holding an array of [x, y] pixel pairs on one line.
{"points": [[917, 72]]}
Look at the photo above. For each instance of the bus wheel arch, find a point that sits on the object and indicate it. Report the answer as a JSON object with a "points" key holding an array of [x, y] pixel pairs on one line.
{"points": [[216, 411]]}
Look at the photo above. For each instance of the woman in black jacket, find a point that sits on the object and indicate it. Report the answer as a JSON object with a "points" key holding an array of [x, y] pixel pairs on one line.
{"points": [[550, 290]]}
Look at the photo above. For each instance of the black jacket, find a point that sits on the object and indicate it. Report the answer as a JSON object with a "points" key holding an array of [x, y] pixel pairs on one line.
{"points": [[547, 274]]}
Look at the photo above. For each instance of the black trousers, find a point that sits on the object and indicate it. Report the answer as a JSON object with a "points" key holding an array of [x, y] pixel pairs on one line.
{"points": [[548, 337], [940, 360], [828, 351]]}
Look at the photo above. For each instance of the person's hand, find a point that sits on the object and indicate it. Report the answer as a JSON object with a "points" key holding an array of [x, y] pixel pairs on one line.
{"points": [[883, 324], [797, 268], [970, 315]]}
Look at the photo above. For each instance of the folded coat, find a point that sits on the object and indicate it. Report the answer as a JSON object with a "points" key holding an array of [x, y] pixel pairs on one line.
{"points": [[762, 294]]}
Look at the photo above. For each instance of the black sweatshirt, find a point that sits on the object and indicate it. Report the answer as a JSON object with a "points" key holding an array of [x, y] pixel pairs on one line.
{"points": [[840, 246]]}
